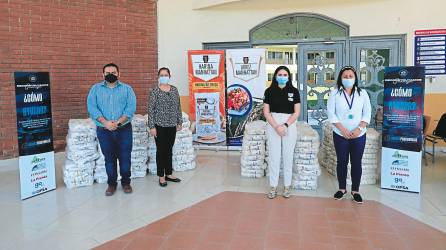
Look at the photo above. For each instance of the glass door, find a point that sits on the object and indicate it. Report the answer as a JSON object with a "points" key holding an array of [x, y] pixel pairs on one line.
{"points": [[370, 55], [320, 64]]}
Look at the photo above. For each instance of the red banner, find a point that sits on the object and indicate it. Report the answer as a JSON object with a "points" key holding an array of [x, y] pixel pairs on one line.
{"points": [[207, 95]]}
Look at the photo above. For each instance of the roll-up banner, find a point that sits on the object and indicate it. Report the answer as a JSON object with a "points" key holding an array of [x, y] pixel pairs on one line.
{"points": [[402, 128], [246, 84], [207, 96], [35, 133]]}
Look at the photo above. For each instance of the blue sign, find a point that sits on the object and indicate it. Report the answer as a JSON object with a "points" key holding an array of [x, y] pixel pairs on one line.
{"points": [[430, 52], [35, 133], [402, 128]]}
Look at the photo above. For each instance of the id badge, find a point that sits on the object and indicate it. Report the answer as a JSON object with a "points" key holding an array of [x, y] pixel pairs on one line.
{"points": [[350, 116]]}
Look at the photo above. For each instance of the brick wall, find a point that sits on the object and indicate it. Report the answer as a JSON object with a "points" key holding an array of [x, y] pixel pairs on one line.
{"points": [[73, 40]]}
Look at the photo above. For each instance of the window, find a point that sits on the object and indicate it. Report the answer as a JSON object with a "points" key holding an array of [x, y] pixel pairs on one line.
{"points": [[274, 55], [270, 77]]}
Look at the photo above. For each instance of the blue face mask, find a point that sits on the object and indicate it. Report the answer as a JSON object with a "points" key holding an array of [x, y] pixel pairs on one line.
{"points": [[163, 79], [348, 83], [282, 80]]}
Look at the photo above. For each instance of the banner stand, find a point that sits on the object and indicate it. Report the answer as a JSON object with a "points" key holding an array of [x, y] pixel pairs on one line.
{"points": [[402, 135]]}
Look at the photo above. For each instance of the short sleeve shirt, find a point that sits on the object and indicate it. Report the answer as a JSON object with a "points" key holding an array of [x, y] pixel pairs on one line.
{"points": [[282, 100]]}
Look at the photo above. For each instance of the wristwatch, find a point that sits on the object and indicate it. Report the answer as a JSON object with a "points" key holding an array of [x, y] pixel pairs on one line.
{"points": [[119, 124], [361, 128], [286, 124]]}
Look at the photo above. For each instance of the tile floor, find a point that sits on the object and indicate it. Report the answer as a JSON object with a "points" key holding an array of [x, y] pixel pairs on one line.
{"points": [[84, 218], [234, 220]]}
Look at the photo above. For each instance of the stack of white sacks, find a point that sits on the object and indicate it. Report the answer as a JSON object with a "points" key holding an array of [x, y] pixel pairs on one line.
{"points": [[81, 153], [253, 163], [139, 147], [306, 167], [183, 151], [183, 154], [370, 159]]}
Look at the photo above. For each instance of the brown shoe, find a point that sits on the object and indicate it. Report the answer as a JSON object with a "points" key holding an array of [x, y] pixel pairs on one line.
{"points": [[110, 190], [127, 189]]}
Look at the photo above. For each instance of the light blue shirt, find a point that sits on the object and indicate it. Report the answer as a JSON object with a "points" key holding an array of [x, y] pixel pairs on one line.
{"points": [[338, 110], [111, 103]]}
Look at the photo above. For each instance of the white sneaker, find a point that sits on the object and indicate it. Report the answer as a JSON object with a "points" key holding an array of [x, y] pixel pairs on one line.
{"points": [[286, 192], [272, 193]]}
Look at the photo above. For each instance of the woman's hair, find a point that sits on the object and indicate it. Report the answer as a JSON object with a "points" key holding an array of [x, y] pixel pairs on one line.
{"points": [[339, 80], [164, 68], [274, 81]]}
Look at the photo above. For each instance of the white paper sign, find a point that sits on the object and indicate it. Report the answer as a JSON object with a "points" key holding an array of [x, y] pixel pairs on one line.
{"points": [[37, 174]]}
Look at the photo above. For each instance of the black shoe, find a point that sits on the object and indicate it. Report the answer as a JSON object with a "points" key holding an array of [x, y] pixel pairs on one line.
{"points": [[339, 195], [163, 184], [172, 180], [357, 198]]}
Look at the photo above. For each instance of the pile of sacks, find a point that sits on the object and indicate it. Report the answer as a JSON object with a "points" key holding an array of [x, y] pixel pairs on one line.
{"points": [[183, 151], [183, 154], [370, 159], [81, 153], [253, 163], [306, 167], [140, 145]]}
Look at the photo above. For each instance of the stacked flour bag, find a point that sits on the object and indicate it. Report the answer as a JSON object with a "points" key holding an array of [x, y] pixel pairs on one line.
{"points": [[327, 154], [140, 146], [254, 150], [183, 155], [370, 159], [151, 165], [81, 153], [306, 167]]}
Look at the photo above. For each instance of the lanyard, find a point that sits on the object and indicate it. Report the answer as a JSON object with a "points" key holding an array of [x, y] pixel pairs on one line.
{"points": [[350, 105]]}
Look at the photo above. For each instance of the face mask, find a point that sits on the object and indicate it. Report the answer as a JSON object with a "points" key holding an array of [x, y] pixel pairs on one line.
{"points": [[163, 79], [282, 80], [110, 78], [348, 83]]}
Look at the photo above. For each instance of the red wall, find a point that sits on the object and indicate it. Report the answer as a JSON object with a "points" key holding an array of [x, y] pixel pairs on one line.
{"points": [[73, 40]]}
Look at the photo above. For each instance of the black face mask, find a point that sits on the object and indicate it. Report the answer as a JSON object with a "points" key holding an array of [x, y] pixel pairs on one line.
{"points": [[111, 78]]}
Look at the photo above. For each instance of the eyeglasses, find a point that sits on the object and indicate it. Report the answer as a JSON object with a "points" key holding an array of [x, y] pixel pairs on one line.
{"points": [[348, 68]]}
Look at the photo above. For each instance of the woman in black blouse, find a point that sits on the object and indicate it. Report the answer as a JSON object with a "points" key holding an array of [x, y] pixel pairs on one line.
{"points": [[281, 109], [165, 119]]}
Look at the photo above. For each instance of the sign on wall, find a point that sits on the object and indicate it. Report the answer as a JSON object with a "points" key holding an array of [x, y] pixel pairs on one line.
{"points": [[246, 84], [430, 51], [402, 128], [35, 134], [207, 96]]}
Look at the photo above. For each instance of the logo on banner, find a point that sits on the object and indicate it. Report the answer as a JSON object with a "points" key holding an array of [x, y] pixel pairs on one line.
{"points": [[206, 67], [404, 73], [38, 164], [398, 155], [32, 78], [246, 68]]}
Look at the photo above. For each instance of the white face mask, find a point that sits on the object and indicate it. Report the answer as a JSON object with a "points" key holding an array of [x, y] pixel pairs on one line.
{"points": [[163, 80], [348, 83]]}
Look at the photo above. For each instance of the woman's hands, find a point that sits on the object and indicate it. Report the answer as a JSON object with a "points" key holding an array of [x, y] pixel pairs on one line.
{"points": [[281, 130], [153, 132]]}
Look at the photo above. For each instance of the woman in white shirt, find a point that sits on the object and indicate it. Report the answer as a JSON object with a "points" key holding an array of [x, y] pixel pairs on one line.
{"points": [[349, 111]]}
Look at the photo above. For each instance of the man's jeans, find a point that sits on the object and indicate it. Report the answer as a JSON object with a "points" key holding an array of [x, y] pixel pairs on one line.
{"points": [[117, 145]]}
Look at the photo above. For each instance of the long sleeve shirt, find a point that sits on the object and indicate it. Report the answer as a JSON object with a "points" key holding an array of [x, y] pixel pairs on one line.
{"points": [[338, 109], [164, 108], [111, 103]]}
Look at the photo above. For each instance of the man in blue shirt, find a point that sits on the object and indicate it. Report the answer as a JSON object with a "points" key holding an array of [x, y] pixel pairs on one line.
{"points": [[112, 104]]}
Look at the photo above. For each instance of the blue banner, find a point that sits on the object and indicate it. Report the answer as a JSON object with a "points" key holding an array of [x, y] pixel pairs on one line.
{"points": [[35, 133], [403, 108], [402, 135]]}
